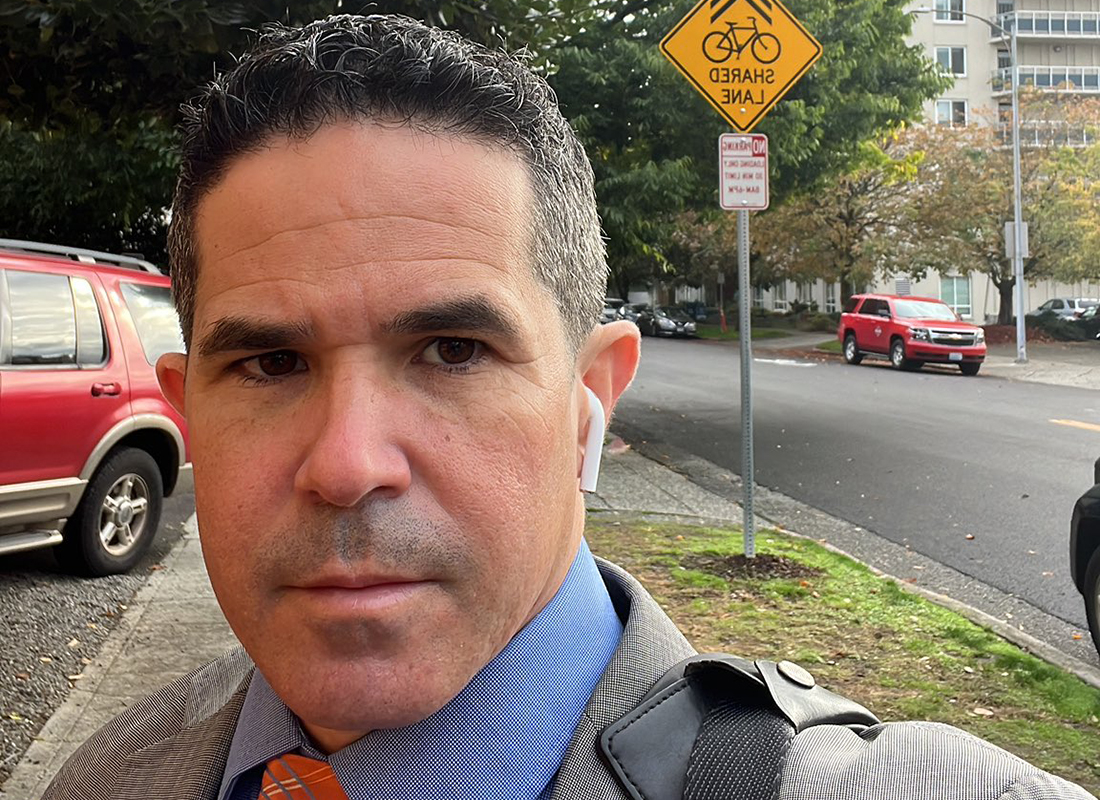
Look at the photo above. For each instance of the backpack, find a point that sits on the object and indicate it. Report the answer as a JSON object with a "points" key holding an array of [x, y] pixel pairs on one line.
{"points": [[717, 726]]}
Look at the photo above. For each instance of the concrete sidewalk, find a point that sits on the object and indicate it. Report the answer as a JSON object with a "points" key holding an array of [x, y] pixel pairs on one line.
{"points": [[174, 623]]}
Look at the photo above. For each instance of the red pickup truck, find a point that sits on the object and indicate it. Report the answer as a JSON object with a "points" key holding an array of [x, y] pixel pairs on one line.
{"points": [[910, 332]]}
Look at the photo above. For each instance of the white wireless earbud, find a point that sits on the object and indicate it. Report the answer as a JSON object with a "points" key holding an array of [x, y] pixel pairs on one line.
{"points": [[593, 445]]}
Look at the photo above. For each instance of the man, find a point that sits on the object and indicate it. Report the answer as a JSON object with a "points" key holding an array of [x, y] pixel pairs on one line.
{"points": [[388, 267]]}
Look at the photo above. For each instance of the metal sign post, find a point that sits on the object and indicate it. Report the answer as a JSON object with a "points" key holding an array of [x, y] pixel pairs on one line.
{"points": [[743, 186], [744, 311]]}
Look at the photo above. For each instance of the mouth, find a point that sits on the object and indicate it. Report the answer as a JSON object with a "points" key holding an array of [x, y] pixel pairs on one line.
{"points": [[358, 595]]}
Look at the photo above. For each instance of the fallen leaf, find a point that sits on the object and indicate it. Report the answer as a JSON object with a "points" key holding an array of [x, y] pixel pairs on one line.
{"points": [[1077, 637], [968, 670], [23, 676], [982, 712], [75, 677], [156, 568], [14, 717], [969, 536], [92, 625], [45, 659], [74, 643], [1048, 574]]}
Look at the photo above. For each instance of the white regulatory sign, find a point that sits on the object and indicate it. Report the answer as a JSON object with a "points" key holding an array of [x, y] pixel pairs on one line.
{"points": [[743, 167]]}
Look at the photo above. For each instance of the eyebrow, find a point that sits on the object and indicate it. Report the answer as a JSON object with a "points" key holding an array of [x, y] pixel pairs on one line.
{"points": [[474, 314], [241, 333]]}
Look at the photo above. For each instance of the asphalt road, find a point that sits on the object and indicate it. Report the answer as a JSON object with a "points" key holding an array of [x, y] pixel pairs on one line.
{"points": [[53, 623], [970, 472]]}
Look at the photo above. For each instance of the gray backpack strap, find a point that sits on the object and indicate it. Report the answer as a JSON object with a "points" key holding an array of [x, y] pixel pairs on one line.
{"points": [[718, 726]]}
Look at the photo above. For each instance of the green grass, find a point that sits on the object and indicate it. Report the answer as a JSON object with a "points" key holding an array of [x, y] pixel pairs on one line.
{"points": [[864, 636], [705, 331], [831, 346]]}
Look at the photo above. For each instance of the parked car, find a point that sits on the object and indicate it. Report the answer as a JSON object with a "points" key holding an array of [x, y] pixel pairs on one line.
{"points": [[633, 311], [666, 321], [89, 447], [1084, 552], [910, 332], [1068, 307], [611, 306]]}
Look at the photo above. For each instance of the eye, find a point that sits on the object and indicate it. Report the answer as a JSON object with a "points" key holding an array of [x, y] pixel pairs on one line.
{"points": [[277, 364], [453, 352]]}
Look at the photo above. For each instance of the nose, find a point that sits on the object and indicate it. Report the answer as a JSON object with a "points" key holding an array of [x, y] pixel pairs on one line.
{"points": [[355, 452]]}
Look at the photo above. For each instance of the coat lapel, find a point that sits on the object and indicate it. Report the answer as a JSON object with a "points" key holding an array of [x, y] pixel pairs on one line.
{"points": [[186, 766], [650, 646]]}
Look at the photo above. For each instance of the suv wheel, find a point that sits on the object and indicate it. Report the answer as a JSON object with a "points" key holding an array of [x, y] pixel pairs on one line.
{"points": [[1092, 597], [117, 518], [970, 369], [898, 359], [851, 350]]}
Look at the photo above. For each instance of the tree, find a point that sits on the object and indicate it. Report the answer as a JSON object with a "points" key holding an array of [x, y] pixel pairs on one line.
{"points": [[963, 196], [850, 229], [90, 92], [653, 140]]}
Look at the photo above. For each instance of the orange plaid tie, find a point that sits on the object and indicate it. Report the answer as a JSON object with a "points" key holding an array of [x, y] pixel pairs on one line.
{"points": [[294, 777]]}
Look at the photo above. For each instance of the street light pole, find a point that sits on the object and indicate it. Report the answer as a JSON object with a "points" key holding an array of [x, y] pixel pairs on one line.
{"points": [[1017, 202], [1017, 181]]}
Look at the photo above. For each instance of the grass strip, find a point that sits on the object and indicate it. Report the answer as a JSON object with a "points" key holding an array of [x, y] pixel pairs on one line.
{"points": [[902, 656]]}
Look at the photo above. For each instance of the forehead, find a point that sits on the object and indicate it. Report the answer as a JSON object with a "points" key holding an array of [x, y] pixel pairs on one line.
{"points": [[380, 216]]}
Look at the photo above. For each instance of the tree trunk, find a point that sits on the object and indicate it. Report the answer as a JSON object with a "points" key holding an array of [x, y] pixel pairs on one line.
{"points": [[1005, 312]]}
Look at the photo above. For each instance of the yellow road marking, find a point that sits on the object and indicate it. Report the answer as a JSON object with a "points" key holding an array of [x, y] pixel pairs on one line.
{"points": [[1088, 426]]}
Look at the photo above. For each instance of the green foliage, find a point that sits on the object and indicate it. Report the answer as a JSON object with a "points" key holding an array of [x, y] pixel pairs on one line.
{"points": [[106, 190], [95, 85]]}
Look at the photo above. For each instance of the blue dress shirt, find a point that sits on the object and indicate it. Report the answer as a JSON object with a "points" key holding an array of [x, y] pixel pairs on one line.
{"points": [[503, 737]]}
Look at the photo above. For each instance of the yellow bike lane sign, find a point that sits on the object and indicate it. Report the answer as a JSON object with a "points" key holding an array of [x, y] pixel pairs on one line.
{"points": [[742, 55]]}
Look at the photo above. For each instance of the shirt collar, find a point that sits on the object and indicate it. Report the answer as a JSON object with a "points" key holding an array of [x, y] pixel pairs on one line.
{"points": [[503, 736]]}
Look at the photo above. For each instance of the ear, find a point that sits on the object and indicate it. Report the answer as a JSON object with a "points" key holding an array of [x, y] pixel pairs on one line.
{"points": [[606, 365], [608, 361], [172, 374]]}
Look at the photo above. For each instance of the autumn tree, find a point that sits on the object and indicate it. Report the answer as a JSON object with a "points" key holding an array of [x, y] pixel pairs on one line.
{"points": [[963, 196], [848, 230]]}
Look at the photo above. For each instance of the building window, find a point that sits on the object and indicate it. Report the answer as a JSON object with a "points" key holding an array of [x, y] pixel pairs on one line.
{"points": [[1004, 59], [952, 60], [1005, 7], [830, 298], [951, 112], [780, 296], [950, 10], [805, 291], [955, 291]]}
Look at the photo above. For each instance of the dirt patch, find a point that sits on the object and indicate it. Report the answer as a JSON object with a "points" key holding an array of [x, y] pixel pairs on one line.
{"points": [[1006, 334], [763, 567]]}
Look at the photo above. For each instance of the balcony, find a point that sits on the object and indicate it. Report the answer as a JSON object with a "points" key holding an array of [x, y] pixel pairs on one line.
{"points": [[1083, 80], [1050, 24], [1042, 133]]}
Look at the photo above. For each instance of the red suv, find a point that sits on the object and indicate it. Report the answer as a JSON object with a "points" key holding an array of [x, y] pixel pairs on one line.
{"points": [[910, 331], [89, 447]]}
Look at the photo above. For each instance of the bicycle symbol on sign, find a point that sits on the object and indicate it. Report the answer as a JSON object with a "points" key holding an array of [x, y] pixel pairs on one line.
{"points": [[718, 46]]}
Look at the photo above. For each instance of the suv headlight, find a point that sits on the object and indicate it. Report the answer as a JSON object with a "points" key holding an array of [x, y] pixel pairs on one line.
{"points": [[689, 326], [980, 338], [920, 335], [666, 324]]}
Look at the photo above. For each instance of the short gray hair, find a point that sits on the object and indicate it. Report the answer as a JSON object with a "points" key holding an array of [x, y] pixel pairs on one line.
{"points": [[382, 67]]}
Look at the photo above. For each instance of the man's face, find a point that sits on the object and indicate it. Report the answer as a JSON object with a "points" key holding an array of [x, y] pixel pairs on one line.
{"points": [[384, 419]]}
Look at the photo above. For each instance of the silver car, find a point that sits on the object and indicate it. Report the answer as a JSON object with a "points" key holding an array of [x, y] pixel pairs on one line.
{"points": [[1068, 307]]}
